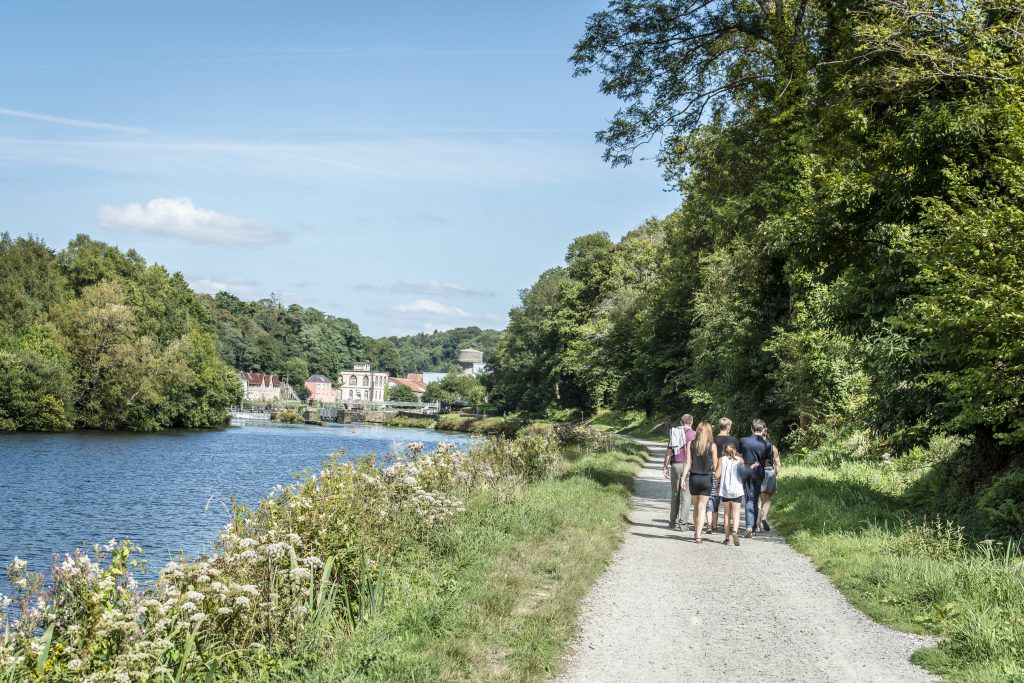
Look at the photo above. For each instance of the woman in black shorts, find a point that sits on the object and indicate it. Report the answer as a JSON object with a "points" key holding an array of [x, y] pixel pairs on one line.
{"points": [[703, 461]]}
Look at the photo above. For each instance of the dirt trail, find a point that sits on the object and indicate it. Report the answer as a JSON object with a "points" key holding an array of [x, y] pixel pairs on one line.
{"points": [[668, 609]]}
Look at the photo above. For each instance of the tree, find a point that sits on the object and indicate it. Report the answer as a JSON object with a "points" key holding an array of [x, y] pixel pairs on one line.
{"points": [[455, 388], [402, 393]]}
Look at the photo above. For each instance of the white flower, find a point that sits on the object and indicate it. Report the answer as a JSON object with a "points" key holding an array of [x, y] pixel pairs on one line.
{"points": [[250, 589], [246, 543], [110, 545], [18, 564], [197, 617], [194, 596], [224, 611], [74, 664], [188, 607], [243, 602]]}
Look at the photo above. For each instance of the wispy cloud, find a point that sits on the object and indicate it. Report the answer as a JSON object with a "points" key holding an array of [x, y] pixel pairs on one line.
{"points": [[427, 315], [76, 123], [181, 219], [433, 288], [412, 51], [432, 308], [235, 285], [442, 160]]}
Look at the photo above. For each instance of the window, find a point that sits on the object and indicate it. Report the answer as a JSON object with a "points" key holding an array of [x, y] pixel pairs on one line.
{"points": [[350, 393], [352, 380], [366, 381]]}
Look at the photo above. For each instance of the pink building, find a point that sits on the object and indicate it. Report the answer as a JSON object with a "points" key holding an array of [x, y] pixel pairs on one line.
{"points": [[320, 389]]}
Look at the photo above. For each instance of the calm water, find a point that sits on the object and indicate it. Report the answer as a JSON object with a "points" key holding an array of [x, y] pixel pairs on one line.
{"points": [[164, 491]]}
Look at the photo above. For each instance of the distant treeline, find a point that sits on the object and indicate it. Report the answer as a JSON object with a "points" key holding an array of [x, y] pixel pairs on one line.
{"points": [[93, 337], [848, 253]]}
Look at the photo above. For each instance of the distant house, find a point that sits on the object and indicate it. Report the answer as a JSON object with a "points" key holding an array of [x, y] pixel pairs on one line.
{"points": [[412, 381], [361, 384], [257, 386], [320, 389]]}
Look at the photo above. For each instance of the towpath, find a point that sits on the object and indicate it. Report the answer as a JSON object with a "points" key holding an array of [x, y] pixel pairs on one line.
{"points": [[668, 609]]}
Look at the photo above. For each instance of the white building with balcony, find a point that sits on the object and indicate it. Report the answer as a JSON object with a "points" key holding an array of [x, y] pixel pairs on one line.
{"points": [[361, 384]]}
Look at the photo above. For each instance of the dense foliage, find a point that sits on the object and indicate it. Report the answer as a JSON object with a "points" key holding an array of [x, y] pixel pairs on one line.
{"points": [[294, 342], [439, 351], [94, 337], [847, 253], [455, 388]]}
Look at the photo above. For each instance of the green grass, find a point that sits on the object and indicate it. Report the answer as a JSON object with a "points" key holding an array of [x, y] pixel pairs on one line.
{"points": [[494, 595], [856, 523], [634, 423], [424, 422]]}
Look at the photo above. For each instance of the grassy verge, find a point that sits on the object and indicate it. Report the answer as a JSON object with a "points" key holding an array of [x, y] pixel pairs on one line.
{"points": [[493, 595], [634, 423], [857, 523], [477, 424], [424, 422]]}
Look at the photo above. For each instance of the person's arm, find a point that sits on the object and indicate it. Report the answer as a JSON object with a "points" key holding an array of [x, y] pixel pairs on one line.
{"points": [[714, 459], [664, 467], [684, 480], [778, 462]]}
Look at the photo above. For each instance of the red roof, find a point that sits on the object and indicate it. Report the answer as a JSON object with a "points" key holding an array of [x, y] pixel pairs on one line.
{"points": [[411, 381], [260, 378]]}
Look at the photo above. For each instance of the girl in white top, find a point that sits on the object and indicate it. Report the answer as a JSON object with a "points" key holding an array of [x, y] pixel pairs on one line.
{"points": [[730, 488]]}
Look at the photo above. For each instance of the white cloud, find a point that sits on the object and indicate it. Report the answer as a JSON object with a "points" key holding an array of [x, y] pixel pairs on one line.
{"points": [[427, 315], [64, 121], [431, 288], [442, 161], [182, 219], [213, 284], [429, 307]]}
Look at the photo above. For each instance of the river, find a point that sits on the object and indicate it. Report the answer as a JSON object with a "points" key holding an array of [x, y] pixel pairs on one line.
{"points": [[166, 491]]}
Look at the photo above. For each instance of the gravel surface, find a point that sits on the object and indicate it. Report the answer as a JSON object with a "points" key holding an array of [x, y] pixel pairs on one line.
{"points": [[668, 609]]}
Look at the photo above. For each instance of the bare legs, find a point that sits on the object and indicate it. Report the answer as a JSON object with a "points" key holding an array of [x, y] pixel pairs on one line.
{"points": [[766, 506], [731, 521], [700, 504]]}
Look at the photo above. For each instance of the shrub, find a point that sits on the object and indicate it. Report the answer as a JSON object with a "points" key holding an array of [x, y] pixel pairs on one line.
{"points": [[1003, 503], [291, 576], [289, 417]]}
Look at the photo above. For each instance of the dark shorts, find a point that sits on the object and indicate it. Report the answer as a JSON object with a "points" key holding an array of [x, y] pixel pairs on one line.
{"points": [[700, 484], [769, 485], [737, 499]]}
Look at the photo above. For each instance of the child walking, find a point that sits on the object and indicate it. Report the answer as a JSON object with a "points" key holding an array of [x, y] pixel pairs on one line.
{"points": [[730, 488]]}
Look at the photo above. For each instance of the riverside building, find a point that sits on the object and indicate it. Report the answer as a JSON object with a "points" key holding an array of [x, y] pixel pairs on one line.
{"points": [[361, 384]]}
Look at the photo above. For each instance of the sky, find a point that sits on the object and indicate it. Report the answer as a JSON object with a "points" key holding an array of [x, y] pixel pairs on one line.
{"points": [[408, 165]]}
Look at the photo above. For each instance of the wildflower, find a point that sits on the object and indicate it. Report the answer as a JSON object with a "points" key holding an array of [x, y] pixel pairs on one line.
{"points": [[243, 602], [110, 545], [197, 617], [188, 607], [18, 564], [224, 611], [250, 589], [74, 664], [194, 596]]}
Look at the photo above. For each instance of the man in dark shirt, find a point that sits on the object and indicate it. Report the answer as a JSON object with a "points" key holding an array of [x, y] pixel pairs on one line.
{"points": [[722, 439], [755, 450]]}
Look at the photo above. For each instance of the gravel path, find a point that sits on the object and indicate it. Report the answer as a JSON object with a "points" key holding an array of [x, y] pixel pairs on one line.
{"points": [[648, 619]]}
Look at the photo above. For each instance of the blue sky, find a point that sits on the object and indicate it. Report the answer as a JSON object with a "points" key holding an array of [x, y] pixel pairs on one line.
{"points": [[409, 165]]}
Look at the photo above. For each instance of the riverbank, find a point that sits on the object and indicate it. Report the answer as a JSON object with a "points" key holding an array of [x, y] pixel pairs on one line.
{"points": [[480, 558], [462, 423]]}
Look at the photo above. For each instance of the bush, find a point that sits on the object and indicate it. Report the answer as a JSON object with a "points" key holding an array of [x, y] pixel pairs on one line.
{"points": [[1003, 503], [291, 577], [289, 417]]}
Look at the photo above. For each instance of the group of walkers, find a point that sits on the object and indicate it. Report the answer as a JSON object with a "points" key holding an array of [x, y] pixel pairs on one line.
{"points": [[720, 472]]}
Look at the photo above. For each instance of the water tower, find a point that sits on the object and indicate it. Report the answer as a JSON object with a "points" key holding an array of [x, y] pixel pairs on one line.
{"points": [[470, 360]]}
